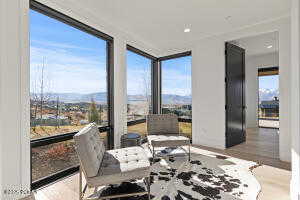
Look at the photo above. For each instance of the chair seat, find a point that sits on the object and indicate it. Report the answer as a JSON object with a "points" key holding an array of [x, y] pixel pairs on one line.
{"points": [[167, 140], [121, 165]]}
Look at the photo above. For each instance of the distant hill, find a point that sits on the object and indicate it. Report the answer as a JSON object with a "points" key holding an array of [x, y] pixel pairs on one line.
{"points": [[100, 97], [177, 99], [268, 94]]}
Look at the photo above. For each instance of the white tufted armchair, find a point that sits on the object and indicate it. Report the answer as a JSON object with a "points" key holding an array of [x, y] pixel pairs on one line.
{"points": [[102, 168]]}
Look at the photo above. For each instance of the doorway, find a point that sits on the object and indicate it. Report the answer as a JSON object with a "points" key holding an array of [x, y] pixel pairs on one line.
{"points": [[261, 106], [268, 102]]}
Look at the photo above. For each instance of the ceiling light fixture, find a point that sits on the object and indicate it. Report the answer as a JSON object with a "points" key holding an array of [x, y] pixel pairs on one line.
{"points": [[269, 47], [187, 30], [228, 17]]}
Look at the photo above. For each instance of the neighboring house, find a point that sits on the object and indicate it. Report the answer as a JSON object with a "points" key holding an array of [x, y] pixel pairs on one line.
{"points": [[269, 108], [50, 120]]}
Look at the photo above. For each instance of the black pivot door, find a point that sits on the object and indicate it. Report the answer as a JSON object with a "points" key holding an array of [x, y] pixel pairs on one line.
{"points": [[235, 95]]}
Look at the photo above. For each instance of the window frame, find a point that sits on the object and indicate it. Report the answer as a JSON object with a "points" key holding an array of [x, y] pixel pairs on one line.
{"points": [[169, 57], [268, 71], [50, 12], [154, 82], [263, 72]]}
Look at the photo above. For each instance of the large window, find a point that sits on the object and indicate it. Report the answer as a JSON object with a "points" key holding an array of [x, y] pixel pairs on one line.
{"points": [[268, 107], [138, 86], [176, 94], [68, 77], [69, 73], [176, 90]]}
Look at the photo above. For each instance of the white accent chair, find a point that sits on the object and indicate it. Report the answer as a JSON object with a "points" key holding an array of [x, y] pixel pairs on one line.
{"points": [[163, 131], [102, 168]]}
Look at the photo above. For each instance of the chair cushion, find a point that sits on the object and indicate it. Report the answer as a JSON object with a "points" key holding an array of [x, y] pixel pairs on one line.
{"points": [[168, 140], [122, 165], [162, 124], [90, 149]]}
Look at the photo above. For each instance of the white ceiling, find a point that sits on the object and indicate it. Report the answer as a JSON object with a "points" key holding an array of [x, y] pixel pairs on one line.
{"points": [[258, 45], [161, 22]]}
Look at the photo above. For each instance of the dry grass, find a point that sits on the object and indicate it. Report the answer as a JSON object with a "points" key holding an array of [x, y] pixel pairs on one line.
{"points": [[185, 129], [43, 131]]}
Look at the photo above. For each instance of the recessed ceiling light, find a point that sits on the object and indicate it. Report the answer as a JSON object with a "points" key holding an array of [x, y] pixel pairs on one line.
{"points": [[270, 46], [187, 30], [228, 17]]}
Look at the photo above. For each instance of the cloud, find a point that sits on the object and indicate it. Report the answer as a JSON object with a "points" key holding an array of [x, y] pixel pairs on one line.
{"points": [[58, 45], [67, 71], [70, 70], [175, 81], [138, 80]]}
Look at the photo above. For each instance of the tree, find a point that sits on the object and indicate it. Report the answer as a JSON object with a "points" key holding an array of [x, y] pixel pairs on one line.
{"points": [[146, 88], [40, 91], [93, 112]]}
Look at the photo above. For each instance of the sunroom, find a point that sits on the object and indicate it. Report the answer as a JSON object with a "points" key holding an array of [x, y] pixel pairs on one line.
{"points": [[223, 75]]}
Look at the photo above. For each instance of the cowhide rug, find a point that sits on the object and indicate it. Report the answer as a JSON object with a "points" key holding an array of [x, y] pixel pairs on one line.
{"points": [[208, 176]]}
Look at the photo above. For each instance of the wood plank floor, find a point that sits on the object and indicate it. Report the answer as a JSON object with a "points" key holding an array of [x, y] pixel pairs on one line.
{"points": [[261, 146]]}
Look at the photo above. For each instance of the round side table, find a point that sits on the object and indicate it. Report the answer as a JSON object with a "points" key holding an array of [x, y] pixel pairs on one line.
{"points": [[130, 139]]}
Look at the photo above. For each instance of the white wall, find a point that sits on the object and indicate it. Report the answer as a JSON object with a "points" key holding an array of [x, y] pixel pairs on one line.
{"points": [[120, 90], [251, 83], [14, 98], [295, 87], [209, 88], [251, 90]]}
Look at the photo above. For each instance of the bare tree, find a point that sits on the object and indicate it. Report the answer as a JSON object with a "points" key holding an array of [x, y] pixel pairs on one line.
{"points": [[40, 91], [93, 112], [146, 88], [34, 99]]}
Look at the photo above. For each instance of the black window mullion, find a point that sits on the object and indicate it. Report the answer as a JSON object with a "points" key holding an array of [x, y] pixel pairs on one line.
{"points": [[155, 87], [110, 93]]}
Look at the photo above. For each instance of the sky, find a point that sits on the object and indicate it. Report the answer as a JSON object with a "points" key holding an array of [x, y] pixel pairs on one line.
{"points": [[269, 82], [176, 76], [75, 62]]}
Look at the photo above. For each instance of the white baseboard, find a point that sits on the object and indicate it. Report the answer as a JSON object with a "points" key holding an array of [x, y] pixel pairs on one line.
{"points": [[294, 190], [209, 142], [286, 157]]}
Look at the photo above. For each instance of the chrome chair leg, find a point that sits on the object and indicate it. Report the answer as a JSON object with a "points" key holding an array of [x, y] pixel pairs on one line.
{"points": [[189, 152], [153, 154], [80, 184], [148, 183], [81, 192]]}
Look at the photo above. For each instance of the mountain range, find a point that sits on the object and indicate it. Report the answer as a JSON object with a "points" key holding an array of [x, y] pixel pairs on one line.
{"points": [[268, 94], [100, 97]]}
